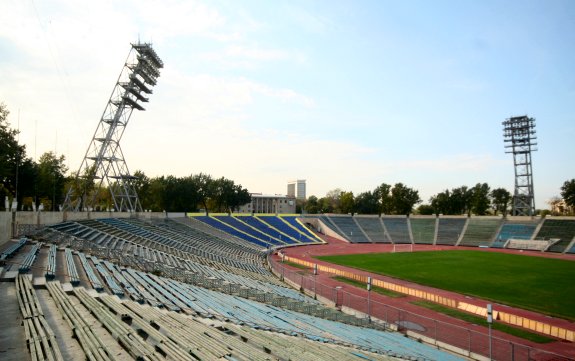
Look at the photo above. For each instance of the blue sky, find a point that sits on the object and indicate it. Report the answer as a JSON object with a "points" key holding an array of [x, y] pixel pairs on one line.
{"points": [[345, 94]]}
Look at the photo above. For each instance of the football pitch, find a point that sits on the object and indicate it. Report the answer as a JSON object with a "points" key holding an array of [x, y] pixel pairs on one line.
{"points": [[540, 284]]}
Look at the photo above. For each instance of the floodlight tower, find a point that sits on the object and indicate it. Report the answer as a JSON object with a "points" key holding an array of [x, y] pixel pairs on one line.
{"points": [[519, 137], [104, 162]]}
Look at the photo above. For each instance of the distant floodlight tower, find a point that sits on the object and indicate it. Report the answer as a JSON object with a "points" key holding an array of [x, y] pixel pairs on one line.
{"points": [[519, 137], [104, 162]]}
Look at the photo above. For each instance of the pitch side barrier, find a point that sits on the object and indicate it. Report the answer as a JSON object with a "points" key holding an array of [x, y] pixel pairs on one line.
{"points": [[504, 317]]}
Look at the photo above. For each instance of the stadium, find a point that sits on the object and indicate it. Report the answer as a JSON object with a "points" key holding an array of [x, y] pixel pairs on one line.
{"points": [[157, 286], [110, 280]]}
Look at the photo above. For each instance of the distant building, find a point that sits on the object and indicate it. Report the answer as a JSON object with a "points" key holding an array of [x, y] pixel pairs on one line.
{"points": [[266, 203], [296, 188]]}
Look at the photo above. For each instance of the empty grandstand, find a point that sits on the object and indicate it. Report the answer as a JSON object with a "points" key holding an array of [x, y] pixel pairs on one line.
{"points": [[138, 310]]}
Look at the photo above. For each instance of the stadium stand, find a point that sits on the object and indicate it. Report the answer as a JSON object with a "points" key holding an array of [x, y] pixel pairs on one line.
{"points": [[348, 227], [480, 231], [562, 229], [185, 321], [289, 226], [397, 228], [373, 227], [514, 230], [224, 227], [423, 229], [449, 230], [267, 230]]}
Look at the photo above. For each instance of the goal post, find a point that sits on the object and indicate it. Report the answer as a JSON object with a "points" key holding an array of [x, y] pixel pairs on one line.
{"points": [[402, 247]]}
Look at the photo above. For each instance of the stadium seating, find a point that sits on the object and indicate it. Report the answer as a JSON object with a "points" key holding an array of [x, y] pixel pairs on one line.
{"points": [[218, 224], [514, 230], [289, 226], [202, 322], [480, 231], [267, 230], [562, 229], [373, 227], [423, 229], [348, 227], [449, 230], [397, 228]]}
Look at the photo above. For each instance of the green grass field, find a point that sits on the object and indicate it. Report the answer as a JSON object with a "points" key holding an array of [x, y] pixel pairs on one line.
{"points": [[535, 283]]}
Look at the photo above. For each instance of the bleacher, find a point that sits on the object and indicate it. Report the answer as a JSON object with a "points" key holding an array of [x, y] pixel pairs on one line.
{"points": [[348, 227], [562, 229], [289, 226], [480, 231], [397, 228], [423, 229], [267, 230], [189, 316], [515, 231], [449, 230], [224, 227], [373, 227]]}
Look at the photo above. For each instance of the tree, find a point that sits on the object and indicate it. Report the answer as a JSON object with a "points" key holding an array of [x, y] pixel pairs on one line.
{"points": [[441, 202], [460, 200], [331, 201], [12, 155], [568, 193], [51, 180], [383, 194], [425, 210], [480, 199], [403, 199], [500, 199], [347, 202], [312, 205], [367, 203]]}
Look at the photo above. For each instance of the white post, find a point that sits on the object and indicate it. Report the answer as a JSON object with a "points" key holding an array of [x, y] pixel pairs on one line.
{"points": [[489, 322], [368, 299]]}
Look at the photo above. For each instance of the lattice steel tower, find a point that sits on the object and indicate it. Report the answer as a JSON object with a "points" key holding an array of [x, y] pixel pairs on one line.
{"points": [[104, 163], [519, 137]]}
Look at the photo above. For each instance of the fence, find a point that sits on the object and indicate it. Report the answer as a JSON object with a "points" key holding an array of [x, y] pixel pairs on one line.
{"points": [[473, 343]]}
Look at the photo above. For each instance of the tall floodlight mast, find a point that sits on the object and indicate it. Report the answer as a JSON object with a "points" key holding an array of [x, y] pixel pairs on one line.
{"points": [[519, 137], [104, 163]]}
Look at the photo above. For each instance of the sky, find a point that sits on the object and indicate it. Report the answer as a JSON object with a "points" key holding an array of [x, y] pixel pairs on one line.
{"points": [[345, 94]]}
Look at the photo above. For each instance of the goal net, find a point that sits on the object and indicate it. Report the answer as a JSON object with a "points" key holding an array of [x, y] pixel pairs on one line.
{"points": [[402, 247]]}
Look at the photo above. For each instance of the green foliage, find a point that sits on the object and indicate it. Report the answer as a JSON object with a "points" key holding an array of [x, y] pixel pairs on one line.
{"points": [[500, 199], [367, 203], [347, 202], [12, 155], [568, 193], [188, 194], [479, 199], [312, 205], [51, 178], [534, 283], [403, 199], [425, 210]]}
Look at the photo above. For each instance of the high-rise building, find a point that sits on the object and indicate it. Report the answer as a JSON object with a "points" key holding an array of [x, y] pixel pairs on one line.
{"points": [[296, 188]]}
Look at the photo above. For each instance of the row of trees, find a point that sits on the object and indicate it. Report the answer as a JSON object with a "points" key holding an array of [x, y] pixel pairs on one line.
{"points": [[400, 199], [384, 199], [181, 194], [479, 200]]}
